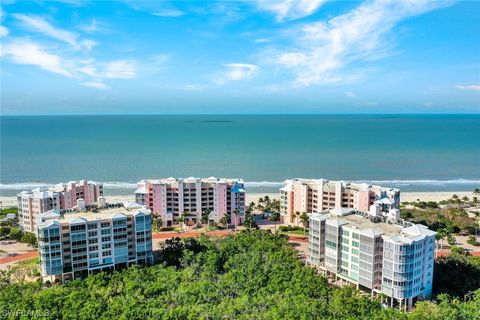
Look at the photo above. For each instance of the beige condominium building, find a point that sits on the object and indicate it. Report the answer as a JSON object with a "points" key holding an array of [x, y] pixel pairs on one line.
{"points": [[380, 257], [75, 243]]}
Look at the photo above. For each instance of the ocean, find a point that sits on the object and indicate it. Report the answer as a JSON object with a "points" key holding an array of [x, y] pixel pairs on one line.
{"points": [[412, 152]]}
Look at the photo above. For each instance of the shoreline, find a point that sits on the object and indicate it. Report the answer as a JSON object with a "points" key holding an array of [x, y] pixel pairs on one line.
{"points": [[404, 196]]}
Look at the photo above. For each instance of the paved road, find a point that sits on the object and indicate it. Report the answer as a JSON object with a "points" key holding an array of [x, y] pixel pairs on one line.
{"points": [[155, 236], [22, 256]]}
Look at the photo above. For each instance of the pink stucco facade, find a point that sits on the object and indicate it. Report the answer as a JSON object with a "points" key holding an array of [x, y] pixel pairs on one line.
{"points": [[317, 195], [60, 196], [169, 198]]}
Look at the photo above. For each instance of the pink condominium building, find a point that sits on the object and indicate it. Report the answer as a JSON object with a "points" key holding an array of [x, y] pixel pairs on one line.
{"points": [[169, 198], [318, 195], [61, 196]]}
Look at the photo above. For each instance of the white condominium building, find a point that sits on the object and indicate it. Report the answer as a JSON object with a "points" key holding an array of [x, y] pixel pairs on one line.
{"points": [[60, 196], [316, 195], [170, 198], [378, 257], [75, 244]]}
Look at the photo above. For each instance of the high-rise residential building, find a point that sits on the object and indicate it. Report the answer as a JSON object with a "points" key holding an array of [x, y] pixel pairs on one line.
{"points": [[73, 244], [317, 195], [60, 196], [170, 198], [394, 259]]}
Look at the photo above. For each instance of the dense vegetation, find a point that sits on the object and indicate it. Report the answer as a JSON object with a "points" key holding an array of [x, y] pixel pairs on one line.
{"points": [[452, 220], [253, 275], [457, 274], [9, 230]]}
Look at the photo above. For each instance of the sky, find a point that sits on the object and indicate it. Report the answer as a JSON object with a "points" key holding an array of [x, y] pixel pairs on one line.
{"points": [[239, 57]]}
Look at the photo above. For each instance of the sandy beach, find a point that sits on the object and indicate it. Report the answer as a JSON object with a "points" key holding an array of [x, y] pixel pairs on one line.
{"points": [[405, 196]]}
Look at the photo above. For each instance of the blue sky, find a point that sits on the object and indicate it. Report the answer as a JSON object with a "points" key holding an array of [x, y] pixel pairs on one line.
{"points": [[285, 56]]}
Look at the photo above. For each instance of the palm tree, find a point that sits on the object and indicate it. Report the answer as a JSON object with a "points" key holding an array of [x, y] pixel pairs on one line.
{"points": [[228, 216], [476, 192], [456, 199], [182, 219], [266, 199], [205, 218], [224, 221], [159, 221], [236, 213], [297, 215], [249, 222], [275, 217], [441, 234], [465, 199], [304, 219]]}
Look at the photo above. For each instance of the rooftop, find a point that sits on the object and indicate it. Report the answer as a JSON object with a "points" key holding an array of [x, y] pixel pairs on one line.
{"points": [[187, 180], [396, 232], [93, 215], [366, 226], [350, 185]]}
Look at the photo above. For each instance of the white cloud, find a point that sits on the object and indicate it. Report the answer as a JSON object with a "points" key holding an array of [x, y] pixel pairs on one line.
{"points": [[90, 27], [3, 31], [172, 13], [88, 44], [474, 87], [30, 53], [95, 84], [290, 9], [39, 24], [120, 69], [350, 94], [236, 72], [326, 48]]}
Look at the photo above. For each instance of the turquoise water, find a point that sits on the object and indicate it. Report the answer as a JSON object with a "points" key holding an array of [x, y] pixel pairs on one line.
{"points": [[440, 152]]}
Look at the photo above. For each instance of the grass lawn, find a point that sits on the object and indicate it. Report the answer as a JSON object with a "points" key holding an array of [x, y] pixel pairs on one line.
{"points": [[295, 232], [5, 211]]}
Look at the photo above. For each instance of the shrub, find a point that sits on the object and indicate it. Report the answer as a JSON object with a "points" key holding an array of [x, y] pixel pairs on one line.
{"points": [[290, 228], [15, 234], [473, 241]]}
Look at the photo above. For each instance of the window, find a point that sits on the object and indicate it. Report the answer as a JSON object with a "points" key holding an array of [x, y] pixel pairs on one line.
{"points": [[355, 244], [330, 244], [79, 227]]}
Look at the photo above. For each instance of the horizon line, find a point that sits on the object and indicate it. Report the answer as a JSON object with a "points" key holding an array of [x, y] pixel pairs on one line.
{"points": [[246, 114]]}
